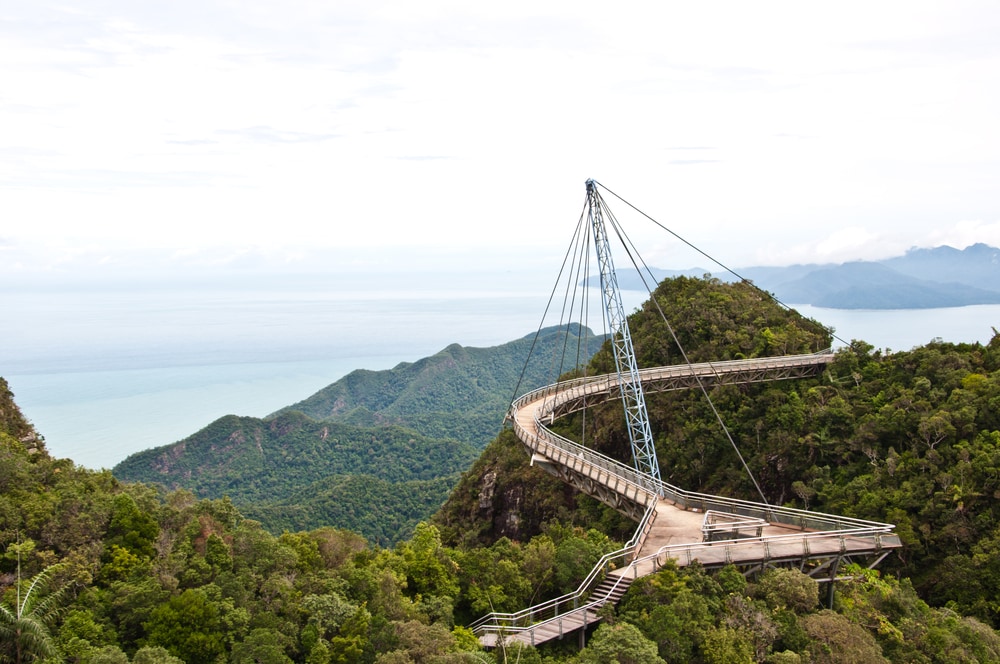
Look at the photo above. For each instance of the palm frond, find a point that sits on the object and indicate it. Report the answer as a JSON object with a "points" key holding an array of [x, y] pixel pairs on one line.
{"points": [[24, 627]]}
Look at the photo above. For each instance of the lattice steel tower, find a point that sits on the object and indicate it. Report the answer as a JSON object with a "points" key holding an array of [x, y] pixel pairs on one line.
{"points": [[639, 433]]}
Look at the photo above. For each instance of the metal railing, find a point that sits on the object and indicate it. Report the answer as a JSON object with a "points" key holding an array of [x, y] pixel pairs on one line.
{"points": [[576, 389], [772, 548], [562, 623], [553, 608], [775, 549], [815, 528], [575, 456]]}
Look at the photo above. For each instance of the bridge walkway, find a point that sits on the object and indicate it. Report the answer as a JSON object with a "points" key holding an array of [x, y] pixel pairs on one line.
{"points": [[673, 524]]}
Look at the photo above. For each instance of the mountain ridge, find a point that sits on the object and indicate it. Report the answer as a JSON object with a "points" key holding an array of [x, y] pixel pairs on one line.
{"points": [[911, 438], [408, 431], [474, 384], [922, 278]]}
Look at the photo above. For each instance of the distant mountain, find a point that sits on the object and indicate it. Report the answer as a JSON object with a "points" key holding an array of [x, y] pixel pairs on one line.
{"points": [[375, 452], [459, 392], [920, 279], [977, 265], [865, 285]]}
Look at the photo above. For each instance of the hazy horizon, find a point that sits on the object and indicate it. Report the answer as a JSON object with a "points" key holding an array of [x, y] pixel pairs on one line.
{"points": [[441, 149], [268, 136], [453, 272]]}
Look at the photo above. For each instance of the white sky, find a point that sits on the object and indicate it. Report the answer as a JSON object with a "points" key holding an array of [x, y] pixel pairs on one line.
{"points": [[262, 133]]}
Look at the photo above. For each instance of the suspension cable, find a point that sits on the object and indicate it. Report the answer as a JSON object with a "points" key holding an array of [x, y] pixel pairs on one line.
{"points": [[725, 267], [576, 261], [636, 260], [548, 305]]}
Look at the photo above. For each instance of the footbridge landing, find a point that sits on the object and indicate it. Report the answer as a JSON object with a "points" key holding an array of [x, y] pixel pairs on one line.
{"points": [[674, 525]]}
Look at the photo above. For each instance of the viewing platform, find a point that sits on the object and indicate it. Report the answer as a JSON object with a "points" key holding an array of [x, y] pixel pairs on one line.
{"points": [[674, 525]]}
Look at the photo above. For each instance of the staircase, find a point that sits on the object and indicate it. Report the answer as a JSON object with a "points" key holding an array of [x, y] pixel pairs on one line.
{"points": [[674, 525], [610, 590]]}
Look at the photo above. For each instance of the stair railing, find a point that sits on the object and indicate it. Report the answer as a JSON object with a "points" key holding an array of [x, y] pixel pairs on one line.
{"points": [[549, 609]]}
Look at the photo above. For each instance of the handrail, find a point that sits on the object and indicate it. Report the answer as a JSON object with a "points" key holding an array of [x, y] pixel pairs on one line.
{"points": [[675, 370], [643, 489], [509, 620], [592, 605], [693, 499], [879, 538], [659, 559], [684, 499]]}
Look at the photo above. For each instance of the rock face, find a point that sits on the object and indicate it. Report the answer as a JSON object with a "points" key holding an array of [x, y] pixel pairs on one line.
{"points": [[14, 424], [513, 502], [503, 496], [487, 491], [504, 510]]}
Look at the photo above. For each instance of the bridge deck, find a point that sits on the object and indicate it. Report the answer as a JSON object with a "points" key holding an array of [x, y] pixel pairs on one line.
{"points": [[557, 628], [677, 533], [676, 530]]}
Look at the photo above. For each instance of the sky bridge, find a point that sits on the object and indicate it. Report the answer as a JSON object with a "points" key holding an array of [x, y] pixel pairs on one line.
{"points": [[674, 526]]}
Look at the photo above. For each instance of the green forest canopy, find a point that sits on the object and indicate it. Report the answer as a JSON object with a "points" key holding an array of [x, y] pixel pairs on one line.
{"points": [[911, 438]]}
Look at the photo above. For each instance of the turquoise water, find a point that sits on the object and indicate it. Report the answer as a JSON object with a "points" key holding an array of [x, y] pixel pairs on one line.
{"points": [[108, 373], [903, 329], [97, 418]]}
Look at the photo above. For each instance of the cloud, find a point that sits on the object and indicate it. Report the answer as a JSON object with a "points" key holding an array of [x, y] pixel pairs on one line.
{"points": [[203, 122], [93, 179], [691, 162], [850, 240], [424, 158], [266, 134], [23, 151], [842, 245], [964, 234], [193, 141]]}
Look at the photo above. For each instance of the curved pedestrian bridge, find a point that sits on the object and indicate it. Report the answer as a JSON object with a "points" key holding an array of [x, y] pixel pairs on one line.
{"points": [[674, 524]]}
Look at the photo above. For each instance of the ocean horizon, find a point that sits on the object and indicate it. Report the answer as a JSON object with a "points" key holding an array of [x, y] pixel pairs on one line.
{"points": [[103, 375]]}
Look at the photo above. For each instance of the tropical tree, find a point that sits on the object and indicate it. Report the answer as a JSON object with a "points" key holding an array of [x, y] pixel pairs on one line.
{"points": [[188, 626], [619, 644], [24, 623]]}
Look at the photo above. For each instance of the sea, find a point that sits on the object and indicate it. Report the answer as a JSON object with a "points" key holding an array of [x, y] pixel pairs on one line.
{"points": [[104, 373]]}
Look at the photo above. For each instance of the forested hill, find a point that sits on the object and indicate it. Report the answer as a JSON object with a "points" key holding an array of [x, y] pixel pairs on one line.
{"points": [[910, 438], [125, 572], [375, 452], [292, 472], [14, 428], [502, 496], [459, 393]]}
